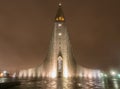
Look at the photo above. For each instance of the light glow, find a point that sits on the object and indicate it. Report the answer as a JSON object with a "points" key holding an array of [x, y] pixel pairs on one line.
{"points": [[113, 73], [1, 75], [4, 71], [53, 75], [119, 75], [80, 75], [59, 25], [59, 34], [90, 76], [60, 4], [65, 72]]}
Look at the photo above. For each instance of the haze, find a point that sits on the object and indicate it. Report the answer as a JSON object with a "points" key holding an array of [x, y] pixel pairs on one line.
{"points": [[26, 27]]}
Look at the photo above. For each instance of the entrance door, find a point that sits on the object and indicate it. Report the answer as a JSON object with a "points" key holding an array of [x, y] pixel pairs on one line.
{"points": [[59, 67]]}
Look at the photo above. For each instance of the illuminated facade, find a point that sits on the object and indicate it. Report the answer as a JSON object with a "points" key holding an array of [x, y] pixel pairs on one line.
{"points": [[59, 61]]}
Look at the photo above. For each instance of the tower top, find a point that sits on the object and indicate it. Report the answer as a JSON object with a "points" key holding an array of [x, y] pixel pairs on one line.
{"points": [[60, 15], [60, 4]]}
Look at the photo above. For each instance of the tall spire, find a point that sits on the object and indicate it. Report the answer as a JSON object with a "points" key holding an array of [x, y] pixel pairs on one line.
{"points": [[60, 60], [60, 15]]}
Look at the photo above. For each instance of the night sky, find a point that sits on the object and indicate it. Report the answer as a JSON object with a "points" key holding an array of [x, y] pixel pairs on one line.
{"points": [[26, 27]]}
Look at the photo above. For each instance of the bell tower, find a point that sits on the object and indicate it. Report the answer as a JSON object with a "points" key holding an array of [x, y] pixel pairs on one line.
{"points": [[59, 61]]}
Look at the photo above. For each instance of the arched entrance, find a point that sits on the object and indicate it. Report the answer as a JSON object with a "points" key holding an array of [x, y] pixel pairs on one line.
{"points": [[59, 67]]}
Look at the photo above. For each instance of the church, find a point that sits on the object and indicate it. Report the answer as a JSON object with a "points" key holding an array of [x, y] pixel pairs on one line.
{"points": [[60, 61]]}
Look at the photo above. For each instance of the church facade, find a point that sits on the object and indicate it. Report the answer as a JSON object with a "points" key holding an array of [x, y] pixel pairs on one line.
{"points": [[59, 62]]}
